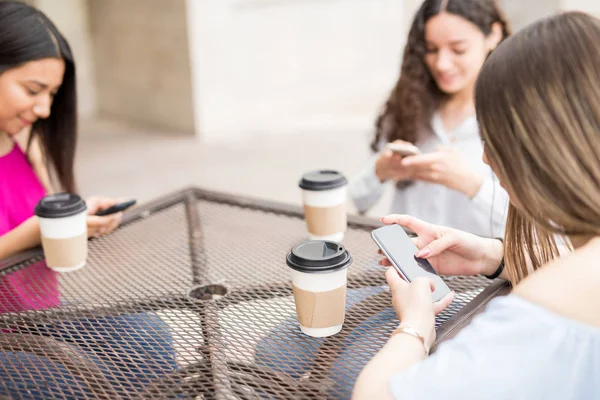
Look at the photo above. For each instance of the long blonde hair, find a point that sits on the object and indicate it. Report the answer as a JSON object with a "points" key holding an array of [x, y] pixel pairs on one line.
{"points": [[538, 107]]}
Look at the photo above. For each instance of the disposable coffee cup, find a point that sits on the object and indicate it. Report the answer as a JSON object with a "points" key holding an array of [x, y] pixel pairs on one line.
{"points": [[63, 227], [324, 195], [319, 274]]}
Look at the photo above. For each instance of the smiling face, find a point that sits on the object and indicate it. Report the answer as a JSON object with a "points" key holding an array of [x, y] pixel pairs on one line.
{"points": [[27, 92], [455, 51]]}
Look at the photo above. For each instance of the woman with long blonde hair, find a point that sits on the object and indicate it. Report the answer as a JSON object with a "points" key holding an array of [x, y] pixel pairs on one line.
{"points": [[538, 108]]}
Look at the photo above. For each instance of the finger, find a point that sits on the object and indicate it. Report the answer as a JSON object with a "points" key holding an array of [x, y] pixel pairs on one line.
{"points": [[424, 283], [95, 221], [385, 262], [116, 221], [387, 153], [437, 246], [394, 280], [96, 204], [92, 205], [421, 160], [441, 305], [414, 224], [427, 176], [400, 141]]}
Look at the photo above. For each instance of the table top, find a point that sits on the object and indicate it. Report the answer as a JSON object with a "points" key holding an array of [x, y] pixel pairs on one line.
{"points": [[211, 266]]}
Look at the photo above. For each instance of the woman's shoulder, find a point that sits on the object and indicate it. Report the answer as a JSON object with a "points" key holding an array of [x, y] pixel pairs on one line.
{"points": [[568, 286]]}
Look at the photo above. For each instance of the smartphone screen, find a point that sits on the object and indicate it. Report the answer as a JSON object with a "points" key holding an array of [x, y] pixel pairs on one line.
{"points": [[400, 250]]}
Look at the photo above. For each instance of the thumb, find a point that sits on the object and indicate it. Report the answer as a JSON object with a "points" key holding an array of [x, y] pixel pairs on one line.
{"points": [[436, 247], [394, 279]]}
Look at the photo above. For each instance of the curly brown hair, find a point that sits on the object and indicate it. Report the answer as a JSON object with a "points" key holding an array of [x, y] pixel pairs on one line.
{"points": [[415, 97]]}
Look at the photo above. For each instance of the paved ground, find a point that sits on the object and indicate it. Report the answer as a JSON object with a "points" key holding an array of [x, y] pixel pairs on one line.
{"points": [[117, 160]]}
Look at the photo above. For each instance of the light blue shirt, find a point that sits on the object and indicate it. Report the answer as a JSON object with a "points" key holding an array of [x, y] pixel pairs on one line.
{"points": [[515, 350]]}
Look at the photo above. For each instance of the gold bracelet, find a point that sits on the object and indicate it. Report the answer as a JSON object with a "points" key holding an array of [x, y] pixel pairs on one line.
{"points": [[413, 332]]}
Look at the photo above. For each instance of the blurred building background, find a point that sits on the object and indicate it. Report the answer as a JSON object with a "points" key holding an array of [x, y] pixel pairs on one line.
{"points": [[235, 95]]}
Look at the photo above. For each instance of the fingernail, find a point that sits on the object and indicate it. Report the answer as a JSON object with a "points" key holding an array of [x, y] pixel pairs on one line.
{"points": [[423, 253]]}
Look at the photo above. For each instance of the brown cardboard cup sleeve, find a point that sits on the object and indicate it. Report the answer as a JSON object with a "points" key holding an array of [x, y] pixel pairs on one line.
{"points": [[64, 253], [320, 309], [325, 221]]}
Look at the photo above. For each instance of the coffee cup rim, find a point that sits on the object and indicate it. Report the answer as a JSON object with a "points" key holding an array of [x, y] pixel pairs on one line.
{"points": [[310, 181], [74, 205], [336, 262]]}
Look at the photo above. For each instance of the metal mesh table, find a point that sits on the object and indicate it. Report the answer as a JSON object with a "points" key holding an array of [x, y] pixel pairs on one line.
{"points": [[212, 268]]}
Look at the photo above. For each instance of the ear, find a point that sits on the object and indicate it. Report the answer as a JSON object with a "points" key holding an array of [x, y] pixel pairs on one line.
{"points": [[495, 36]]}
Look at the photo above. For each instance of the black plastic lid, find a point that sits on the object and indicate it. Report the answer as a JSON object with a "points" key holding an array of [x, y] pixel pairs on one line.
{"points": [[318, 256], [322, 180], [60, 205]]}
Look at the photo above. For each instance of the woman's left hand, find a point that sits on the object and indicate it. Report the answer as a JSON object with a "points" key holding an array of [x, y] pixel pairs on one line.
{"points": [[413, 304], [97, 225], [447, 167]]}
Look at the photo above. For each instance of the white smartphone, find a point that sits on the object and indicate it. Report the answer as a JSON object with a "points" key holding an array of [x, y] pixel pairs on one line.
{"points": [[400, 250], [404, 149]]}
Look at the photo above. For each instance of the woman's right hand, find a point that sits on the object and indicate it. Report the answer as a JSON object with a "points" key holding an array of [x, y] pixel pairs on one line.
{"points": [[389, 166], [450, 251], [99, 226]]}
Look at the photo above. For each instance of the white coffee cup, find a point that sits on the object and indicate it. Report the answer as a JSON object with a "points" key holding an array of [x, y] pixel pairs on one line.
{"points": [[63, 227], [319, 277], [324, 196]]}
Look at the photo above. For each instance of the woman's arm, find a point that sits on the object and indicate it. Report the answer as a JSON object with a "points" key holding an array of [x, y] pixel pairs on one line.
{"points": [[400, 353], [366, 188], [23, 237], [413, 304]]}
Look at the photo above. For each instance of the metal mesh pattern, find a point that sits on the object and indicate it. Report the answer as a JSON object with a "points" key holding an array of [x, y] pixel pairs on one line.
{"points": [[142, 320]]}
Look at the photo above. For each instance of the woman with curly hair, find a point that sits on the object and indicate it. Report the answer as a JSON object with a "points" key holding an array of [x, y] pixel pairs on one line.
{"points": [[432, 107]]}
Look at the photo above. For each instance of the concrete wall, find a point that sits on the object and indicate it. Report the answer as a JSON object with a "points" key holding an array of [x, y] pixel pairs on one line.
{"points": [[521, 13], [227, 69], [589, 6], [72, 18], [142, 62], [264, 67]]}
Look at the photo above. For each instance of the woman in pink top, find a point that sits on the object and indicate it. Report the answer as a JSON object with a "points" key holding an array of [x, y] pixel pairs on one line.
{"points": [[38, 134]]}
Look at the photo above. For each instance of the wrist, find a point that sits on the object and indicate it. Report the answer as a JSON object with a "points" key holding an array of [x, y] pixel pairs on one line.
{"points": [[379, 173], [424, 327], [493, 257], [404, 330]]}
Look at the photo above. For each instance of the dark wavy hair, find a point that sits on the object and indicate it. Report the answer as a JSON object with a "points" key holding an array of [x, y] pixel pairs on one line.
{"points": [[26, 34], [413, 100]]}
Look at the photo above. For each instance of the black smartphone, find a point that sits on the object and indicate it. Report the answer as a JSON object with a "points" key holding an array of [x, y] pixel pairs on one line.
{"points": [[400, 250], [116, 208]]}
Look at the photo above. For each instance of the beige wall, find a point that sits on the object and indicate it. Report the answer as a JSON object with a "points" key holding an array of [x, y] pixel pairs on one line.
{"points": [[71, 18], [589, 6], [141, 62], [285, 67], [521, 13]]}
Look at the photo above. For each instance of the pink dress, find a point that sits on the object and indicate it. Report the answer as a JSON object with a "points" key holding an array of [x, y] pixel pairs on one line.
{"points": [[36, 286]]}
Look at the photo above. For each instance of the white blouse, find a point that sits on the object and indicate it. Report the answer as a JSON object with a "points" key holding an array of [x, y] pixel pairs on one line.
{"points": [[484, 214]]}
